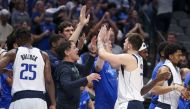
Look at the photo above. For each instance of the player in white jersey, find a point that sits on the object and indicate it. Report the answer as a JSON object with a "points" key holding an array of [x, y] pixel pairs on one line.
{"points": [[130, 86], [31, 74], [170, 90]]}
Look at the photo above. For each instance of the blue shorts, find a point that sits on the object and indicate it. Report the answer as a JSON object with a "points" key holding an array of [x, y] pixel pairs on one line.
{"points": [[152, 106]]}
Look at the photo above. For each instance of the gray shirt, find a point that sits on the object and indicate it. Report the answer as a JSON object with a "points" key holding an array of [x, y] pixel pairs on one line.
{"points": [[164, 6], [18, 17]]}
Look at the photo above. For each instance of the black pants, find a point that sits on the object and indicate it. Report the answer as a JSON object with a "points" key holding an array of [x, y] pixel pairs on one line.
{"points": [[163, 22], [163, 105], [135, 105]]}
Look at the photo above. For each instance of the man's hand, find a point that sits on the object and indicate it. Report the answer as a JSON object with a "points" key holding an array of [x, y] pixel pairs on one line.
{"points": [[163, 76], [103, 32], [107, 37], [185, 94], [83, 19], [93, 76], [52, 107]]}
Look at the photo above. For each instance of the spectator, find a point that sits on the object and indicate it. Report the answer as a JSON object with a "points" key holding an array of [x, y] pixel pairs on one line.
{"points": [[169, 91], [38, 16], [164, 14], [54, 41], [68, 76], [171, 38], [49, 27], [116, 49], [5, 28], [66, 28], [184, 61], [20, 14], [132, 20], [4, 4], [106, 88]]}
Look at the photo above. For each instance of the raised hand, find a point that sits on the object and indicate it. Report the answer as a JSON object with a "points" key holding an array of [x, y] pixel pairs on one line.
{"points": [[163, 76], [83, 19], [107, 37], [185, 94], [52, 107], [102, 34]]}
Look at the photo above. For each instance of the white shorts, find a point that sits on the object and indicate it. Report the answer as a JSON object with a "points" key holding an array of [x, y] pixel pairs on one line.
{"points": [[29, 103]]}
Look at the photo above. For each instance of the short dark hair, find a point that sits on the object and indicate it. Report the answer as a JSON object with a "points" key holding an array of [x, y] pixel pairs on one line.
{"points": [[62, 48], [135, 39], [11, 39], [171, 49], [63, 25], [23, 36], [161, 47], [54, 38]]}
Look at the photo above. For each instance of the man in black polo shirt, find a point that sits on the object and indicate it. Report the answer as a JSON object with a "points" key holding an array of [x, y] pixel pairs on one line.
{"points": [[68, 79]]}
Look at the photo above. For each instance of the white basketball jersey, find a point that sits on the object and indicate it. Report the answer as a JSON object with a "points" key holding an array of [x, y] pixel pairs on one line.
{"points": [[28, 70], [172, 97], [130, 85]]}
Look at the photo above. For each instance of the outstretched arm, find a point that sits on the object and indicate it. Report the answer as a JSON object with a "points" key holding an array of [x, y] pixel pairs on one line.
{"points": [[112, 58], [159, 89], [160, 77], [82, 23]]}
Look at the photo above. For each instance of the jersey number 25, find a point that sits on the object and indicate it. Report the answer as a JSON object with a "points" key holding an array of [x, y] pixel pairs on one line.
{"points": [[28, 68]]}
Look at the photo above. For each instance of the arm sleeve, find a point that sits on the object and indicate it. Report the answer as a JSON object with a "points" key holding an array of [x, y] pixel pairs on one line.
{"points": [[67, 82]]}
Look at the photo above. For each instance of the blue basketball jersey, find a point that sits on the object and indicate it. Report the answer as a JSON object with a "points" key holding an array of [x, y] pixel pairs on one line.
{"points": [[84, 100], [106, 88], [154, 73], [5, 92]]}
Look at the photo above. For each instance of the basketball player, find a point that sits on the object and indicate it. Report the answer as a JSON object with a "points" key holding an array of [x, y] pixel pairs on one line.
{"points": [[130, 85], [31, 74], [169, 91]]}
